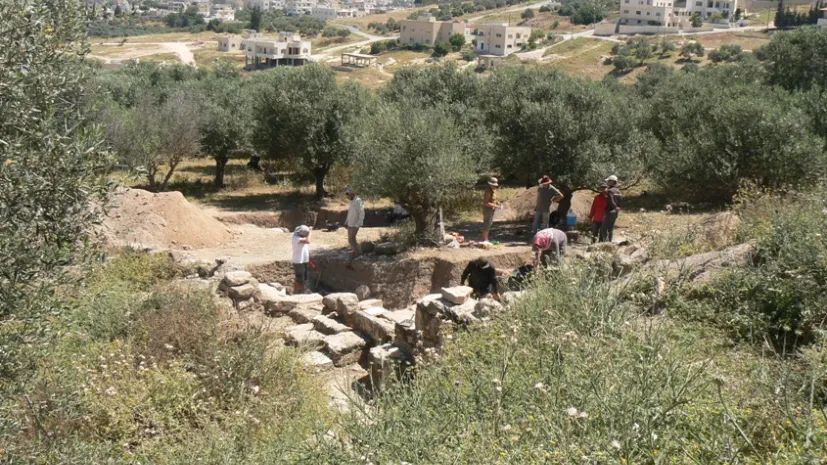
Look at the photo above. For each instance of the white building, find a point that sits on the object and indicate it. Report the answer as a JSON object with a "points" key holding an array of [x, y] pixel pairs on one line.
{"points": [[500, 39], [332, 12], [286, 50], [672, 13], [223, 12], [300, 7], [265, 5]]}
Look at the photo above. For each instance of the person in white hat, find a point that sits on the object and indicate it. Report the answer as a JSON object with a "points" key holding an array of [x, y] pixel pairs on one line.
{"points": [[301, 258], [612, 208], [489, 205], [355, 219]]}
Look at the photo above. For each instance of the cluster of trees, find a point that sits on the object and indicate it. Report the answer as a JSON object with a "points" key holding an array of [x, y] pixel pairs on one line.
{"points": [[186, 18], [587, 11], [636, 51], [278, 21], [331, 32], [786, 17], [391, 25], [439, 129]]}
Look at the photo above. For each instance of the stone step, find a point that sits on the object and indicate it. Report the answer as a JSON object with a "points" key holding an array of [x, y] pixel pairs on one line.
{"points": [[456, 295], [370, 303], [304, 336], [379, 330], [327, 325], [344, 348], [287, 303], [398, 316], [316, 362], [303, 315]]}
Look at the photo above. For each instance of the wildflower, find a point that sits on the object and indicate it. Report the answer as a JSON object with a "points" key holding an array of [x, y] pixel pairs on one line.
{"points": [[9, 162], [506, 428], [572, 412], [616, 444], [457, 383], [110, 391], [583, 415], [538, 386], [169, 347], [515, 438]]}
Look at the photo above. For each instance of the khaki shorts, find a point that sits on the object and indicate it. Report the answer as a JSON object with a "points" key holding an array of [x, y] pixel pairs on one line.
{"points": [[302, 272]]}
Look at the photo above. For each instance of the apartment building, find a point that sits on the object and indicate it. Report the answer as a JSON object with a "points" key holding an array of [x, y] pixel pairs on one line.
{"points": [[229, 43], [300, 7], [500, 39], [266, 5], [426, 30], [286, 50], [223, 12], [333, 12], [671, 13]]}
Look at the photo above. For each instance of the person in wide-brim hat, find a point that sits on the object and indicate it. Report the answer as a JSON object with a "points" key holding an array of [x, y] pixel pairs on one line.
{"points": [[547, 194], [489, 206]]}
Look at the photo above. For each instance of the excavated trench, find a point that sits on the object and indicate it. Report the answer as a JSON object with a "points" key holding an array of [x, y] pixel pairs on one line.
{"points": [[289, 219], [398, 280]]}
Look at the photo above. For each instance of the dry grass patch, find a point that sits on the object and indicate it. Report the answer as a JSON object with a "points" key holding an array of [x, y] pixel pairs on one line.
{"points": [[371, 78], [205, 57], [582, 57], [748, 40], [362, 22]]}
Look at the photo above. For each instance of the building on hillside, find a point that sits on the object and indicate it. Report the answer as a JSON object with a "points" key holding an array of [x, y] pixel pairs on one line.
{"points": [[500, 39], [426, 30], [266, 5], [299, 7], [650, 13], [327, 13], [286, 50], [222, 12], [823, 21], [707, 8], [229, 43]]}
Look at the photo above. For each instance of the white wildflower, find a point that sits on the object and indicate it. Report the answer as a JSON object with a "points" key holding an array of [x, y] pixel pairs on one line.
{"points": [[110, 391], [616, 444], [572, 412]]}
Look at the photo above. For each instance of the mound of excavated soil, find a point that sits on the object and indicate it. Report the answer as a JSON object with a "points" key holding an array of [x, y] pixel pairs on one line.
{"points": [[165, 220], [522, 206]]}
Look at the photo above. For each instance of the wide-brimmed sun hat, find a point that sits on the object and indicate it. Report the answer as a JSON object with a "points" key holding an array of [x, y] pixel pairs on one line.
{"points": [[302, 231], [493, 182], [611, 178]]}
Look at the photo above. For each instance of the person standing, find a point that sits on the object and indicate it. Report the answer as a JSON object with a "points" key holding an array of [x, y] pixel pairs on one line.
{"points": [[612, 208], [489, 206], [482, 278], [301, 258], [598, 212], [546, 195], [355, 219], [549, 242]]}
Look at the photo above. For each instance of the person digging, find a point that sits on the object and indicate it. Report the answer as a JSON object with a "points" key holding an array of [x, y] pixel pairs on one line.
{"points": [[482, 278], [549, 242]]}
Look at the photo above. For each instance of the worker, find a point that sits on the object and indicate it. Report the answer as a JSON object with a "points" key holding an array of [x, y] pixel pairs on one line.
{"points": [[489, 206], [546, 195], [598, 211], [482, 277], [549, 242], [355, 219], [301, 258], [612, 208]]}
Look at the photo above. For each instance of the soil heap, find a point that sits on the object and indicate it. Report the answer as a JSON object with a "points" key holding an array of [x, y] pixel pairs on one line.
{"points": [[164, 220], [522, 206]]}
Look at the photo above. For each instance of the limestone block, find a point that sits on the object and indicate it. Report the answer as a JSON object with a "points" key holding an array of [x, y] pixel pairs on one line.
{"points": [[462, 314], [362, 292], [399, 316], [331, 301], [385, 363], [244, 292], [327, 325], [269, 293], [510, 298], [379, 330], [316, 362], [236, 278], [485, 308], [304, 335], [365, 304], [456, 295], [405, 337], [304, 314], [287, 303], [344, 348]]}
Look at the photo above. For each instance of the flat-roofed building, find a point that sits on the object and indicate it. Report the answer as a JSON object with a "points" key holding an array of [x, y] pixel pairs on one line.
{"points": [[500, 39], [426, 30], [286, 50]]}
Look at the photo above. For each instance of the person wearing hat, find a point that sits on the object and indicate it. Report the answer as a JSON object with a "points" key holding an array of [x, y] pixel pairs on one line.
{"points": [[612, 208], [301, 258], [549, 242], [482, 278], [354, 221], [598, 211], [546, 195], [489, 205]]}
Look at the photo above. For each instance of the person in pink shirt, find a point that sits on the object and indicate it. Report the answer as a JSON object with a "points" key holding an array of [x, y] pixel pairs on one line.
{"points": [[549, 242]]}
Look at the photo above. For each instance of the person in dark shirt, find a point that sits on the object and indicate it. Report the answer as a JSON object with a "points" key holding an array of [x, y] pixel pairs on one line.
{"points": [[612, 208], [482, 277]]}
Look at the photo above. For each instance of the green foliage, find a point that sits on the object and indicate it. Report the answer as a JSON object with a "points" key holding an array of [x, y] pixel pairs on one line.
{"points": [[708, 147], [331, 31], [546, 121], [51, 166], [794, 59], [586, 11], [442, 48], [655, 76], [727, 53], [666, 47], [623, 60], [527, 14], [691, 50], [300, 114], [457, 41], [696, 20], [545, 9], [186, 18], [255, 18], [414, 156]]}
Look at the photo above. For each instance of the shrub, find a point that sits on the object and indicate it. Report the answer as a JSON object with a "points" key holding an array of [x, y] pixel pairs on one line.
{"points": [[442, 48], [527, 14], [692, 49], [457, 41], [545, 9]]}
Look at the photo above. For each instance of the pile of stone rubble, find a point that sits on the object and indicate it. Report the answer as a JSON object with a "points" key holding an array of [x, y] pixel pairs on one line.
{"points": [[342, 329]]}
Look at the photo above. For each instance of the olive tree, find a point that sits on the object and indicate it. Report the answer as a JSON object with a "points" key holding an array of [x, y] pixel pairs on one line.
{"points": [[413, 155], [795, 59], [300, 114], [708, 148], [52, 163], [546, 122], [226, 122]]}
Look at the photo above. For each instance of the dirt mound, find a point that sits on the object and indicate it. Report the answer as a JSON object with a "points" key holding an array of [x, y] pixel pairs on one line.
{"points": [[165, 220], [522, 206]]}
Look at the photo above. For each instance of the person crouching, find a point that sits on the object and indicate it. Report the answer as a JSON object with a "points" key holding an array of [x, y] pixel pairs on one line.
{"points": [[549, 242]]}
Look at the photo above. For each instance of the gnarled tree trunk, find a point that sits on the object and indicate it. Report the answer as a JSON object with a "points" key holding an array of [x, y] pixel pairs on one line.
{"points": [[220, 165]]}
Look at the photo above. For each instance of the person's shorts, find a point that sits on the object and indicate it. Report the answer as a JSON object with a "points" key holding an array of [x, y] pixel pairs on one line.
{"points": [[302, 272], [487, 218]]}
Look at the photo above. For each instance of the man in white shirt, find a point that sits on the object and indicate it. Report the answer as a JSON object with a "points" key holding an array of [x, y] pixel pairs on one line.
{"points": [[301, 258], [355, 218]]}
